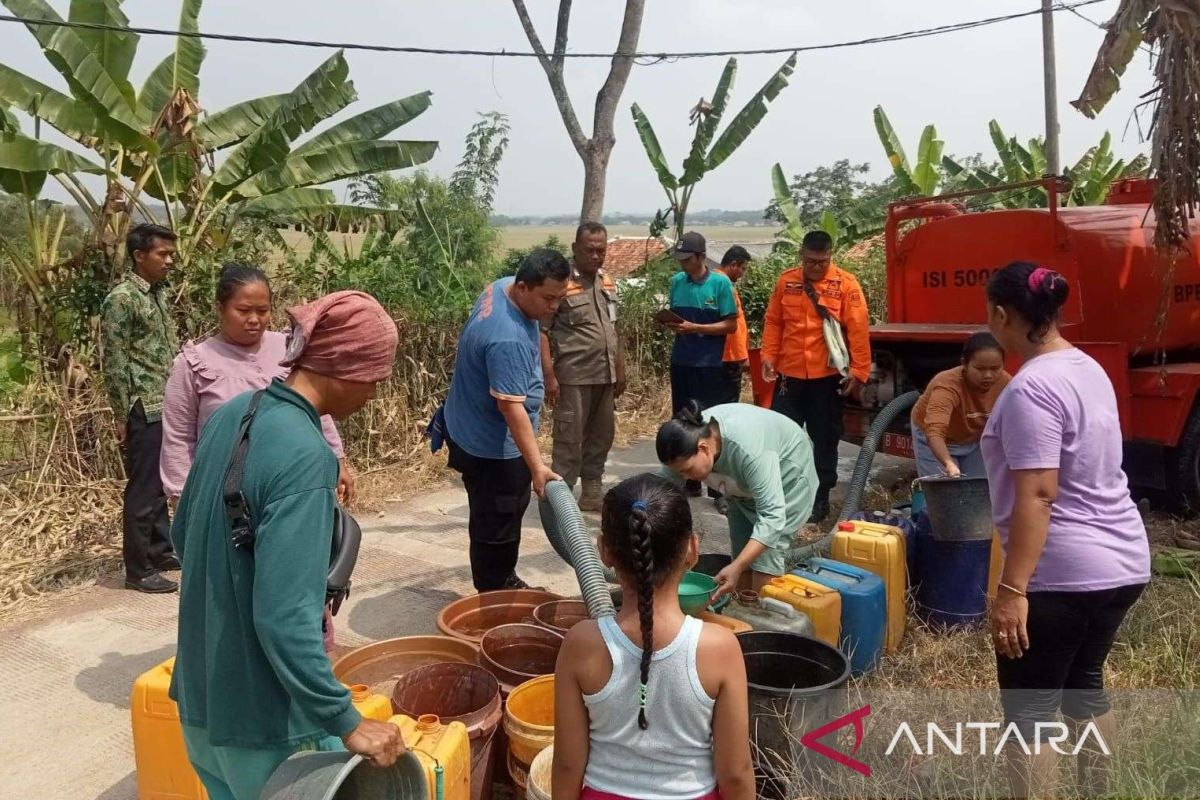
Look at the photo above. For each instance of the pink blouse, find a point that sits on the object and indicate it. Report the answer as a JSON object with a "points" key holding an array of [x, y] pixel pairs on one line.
{"points": [[204, 376]]}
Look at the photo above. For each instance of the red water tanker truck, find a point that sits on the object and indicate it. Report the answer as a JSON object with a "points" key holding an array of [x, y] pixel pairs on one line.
{"points": [[1135, 313]]}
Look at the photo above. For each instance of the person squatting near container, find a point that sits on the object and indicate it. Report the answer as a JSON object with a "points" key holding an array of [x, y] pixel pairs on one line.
{"points": [[762, 463], [948, 419], [811, 380], [490, 417], [734, 265], [139, 341], [650, 703], [584, 367], [251, 678], [1076, 553], [704, 302], [243, 356]]}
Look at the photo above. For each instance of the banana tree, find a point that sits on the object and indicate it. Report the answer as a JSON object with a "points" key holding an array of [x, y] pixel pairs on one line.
{"points": [[793, 228], [929, 174], [155, 143], [706, 154]]}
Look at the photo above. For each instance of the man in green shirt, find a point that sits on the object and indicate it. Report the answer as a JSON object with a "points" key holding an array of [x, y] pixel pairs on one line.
{"points": [[251, 676], [140, 344]]}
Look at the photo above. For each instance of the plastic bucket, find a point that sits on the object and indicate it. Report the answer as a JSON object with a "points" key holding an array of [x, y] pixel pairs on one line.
{"points": [[694, 591], [712, 563], [457, 693], [538, 785], [471, 617], [345, 776], [762, 391], [529, 720], [518, 653], [561, 615], [959, 509], [379, 664], [796, 685]]}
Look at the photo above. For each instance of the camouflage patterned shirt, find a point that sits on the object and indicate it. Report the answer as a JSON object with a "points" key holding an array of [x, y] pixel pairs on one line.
{"points": [[140, 343]]}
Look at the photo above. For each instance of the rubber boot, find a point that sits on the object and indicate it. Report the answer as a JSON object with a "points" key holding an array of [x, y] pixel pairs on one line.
{"points": [[591, 496]]}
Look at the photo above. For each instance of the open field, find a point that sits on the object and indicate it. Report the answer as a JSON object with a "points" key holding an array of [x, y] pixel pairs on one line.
{"points": [[524, 236]]}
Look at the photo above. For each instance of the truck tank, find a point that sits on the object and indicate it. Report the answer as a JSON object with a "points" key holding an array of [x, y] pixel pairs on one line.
{"points": [[939, 270]]}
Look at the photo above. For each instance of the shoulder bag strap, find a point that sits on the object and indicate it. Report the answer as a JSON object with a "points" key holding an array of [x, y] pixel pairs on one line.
{"points": [[237, 509]]}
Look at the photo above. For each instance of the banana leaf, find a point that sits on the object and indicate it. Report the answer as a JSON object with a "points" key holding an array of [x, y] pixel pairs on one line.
{"points": [[751, 114], [316, 207], [181, 69], [895, 153], [8, 122], [230, 126], [1014, 172], [793, 229], [830, 225], [1124, 35], [653, 149], [64, 113], [695, 165], [25, 162], [83, 71], [1037, 154], [370, 125], [338, 162], [321, 95], [927, 176], [114, 49]]}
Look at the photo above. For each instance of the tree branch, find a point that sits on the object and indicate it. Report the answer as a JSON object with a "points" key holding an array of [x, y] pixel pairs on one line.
{"points": [[610, 93], [554, 71], [560, 35]]}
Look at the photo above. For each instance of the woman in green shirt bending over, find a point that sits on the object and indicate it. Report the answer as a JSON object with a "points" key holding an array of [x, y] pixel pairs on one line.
{"points": [[763, 463]]}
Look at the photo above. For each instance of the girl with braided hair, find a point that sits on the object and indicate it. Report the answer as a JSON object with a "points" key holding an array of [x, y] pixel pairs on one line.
{"points": [[650, 704]]}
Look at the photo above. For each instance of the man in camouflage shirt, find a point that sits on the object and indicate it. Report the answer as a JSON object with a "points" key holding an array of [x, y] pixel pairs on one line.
{"points": [[140, 345]]}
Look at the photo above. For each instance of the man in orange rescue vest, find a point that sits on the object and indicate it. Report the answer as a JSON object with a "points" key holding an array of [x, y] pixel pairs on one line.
{"points": [[795, 354], [734, 264]]}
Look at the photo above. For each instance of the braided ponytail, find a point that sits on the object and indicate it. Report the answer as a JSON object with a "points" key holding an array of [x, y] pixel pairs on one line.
{"points": [[643, 553]]}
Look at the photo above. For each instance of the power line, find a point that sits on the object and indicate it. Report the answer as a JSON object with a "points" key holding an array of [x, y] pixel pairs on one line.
{"points": [[437, 51], [1145, 48]]}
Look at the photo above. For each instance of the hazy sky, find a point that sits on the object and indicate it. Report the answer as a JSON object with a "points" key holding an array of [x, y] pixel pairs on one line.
{"points": [[958, 81]]}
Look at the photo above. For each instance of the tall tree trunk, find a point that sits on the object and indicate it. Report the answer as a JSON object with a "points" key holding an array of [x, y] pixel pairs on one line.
{"points": [[594, 152]]}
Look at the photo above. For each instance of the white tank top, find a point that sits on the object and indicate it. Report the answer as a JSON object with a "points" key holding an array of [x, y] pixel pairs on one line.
{"points": [[673, 758]]}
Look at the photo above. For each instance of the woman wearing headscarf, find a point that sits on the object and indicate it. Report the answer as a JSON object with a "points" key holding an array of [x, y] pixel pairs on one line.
{"points": [[251, 678]]}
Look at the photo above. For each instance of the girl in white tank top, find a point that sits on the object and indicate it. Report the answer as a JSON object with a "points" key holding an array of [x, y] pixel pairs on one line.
{"points": [[650, 704]]}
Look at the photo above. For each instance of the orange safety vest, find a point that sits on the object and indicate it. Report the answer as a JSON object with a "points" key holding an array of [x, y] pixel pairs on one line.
{"points": [[737, 344], [793, 340]]}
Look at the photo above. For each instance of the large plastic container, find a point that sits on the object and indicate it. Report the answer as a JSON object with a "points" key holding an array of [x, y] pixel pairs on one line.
{"points": [[864, 608], [821, 604], [435, 744], [519, 653], [796, 685], [471, 617], [898, 518], [953, 580], [372, 706], [733, 624], [529, 724], [765, 614], [457, 693], [379, 664], [960, 509], [561, 615], [879, 549], [163, 769]]}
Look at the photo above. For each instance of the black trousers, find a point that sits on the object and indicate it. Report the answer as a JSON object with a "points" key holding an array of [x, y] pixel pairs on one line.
{"points": [[146, 523], [731, 381], [708, 386], [816, 406], [1070, 636], [498, 492]]}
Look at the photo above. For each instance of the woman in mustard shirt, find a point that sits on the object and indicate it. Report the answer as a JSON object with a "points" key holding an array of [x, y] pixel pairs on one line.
{"points": [[948, 419]]}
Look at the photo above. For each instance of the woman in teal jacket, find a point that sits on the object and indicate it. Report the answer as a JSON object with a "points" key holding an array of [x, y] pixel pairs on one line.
{"points": [[763, 464]]}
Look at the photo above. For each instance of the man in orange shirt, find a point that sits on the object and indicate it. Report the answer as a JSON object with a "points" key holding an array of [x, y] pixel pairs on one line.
{"points": [[795, 354], [737, 344]]}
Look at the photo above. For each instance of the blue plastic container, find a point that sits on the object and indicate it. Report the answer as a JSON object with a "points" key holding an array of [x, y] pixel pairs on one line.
{"points": [[864, 608], [950, 579]]}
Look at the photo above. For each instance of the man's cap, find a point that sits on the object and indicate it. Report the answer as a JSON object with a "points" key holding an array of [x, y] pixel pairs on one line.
{"points": [[735, 255], [690, 244]]}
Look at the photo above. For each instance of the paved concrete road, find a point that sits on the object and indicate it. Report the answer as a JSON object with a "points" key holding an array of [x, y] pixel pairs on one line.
{"points": [[65, 679]]}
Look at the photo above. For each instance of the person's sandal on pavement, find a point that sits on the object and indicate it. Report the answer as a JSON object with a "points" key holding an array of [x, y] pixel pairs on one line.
{"points": [[153, 583]]}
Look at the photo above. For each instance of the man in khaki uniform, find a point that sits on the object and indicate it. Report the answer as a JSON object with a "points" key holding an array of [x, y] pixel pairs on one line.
{"points": [[584, 368]]}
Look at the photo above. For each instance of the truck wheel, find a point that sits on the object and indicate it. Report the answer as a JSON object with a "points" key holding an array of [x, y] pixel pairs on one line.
{"points": [[1183, 467]]}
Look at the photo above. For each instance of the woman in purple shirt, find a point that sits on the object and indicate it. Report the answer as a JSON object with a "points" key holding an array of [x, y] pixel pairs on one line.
{"points": [[1076, 554], [244, 356]]}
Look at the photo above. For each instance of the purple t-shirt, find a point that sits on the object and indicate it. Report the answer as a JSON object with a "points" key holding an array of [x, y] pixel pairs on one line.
{"points": [[1060, 412]]}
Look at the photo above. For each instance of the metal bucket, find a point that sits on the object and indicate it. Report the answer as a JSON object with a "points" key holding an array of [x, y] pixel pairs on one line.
{"points": [[959, 509], [345, 776]]}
